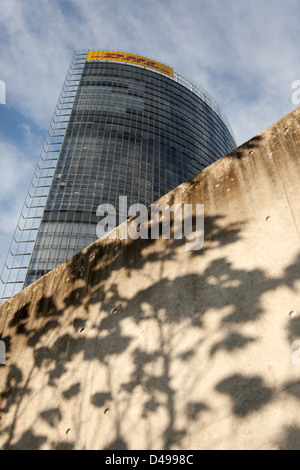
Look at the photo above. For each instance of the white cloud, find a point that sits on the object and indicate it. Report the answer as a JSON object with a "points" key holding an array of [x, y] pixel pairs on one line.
{"points": [[15, 175], [246, 54]]}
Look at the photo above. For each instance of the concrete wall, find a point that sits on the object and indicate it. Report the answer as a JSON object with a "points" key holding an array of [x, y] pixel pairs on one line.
{"points": [[145, 345]]}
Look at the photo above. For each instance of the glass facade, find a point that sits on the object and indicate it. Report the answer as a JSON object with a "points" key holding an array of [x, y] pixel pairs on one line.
{"points": [[119, 129]]}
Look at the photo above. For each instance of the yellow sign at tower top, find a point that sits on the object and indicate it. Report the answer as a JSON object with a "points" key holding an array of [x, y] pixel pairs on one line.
{"points": [[131, 59]]}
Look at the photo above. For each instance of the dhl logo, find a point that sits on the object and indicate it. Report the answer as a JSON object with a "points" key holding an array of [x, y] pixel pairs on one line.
{"points": [[133, 59]]}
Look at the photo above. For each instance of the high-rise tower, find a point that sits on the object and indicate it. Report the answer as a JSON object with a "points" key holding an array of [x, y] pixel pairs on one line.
{"points": [[123, 125]]}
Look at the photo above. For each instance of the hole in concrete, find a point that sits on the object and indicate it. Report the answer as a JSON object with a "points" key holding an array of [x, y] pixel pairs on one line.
{"points": [[292, 314], [106, 411], [268, 218], [82, 329], [114, 311], [68, 430]]}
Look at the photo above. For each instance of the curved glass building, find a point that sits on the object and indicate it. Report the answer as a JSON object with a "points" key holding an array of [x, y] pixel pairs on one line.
{"points": [[124, 125]]}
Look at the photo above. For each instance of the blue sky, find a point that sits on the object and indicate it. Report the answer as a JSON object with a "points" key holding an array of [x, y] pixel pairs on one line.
{"points": [[245, 53]]}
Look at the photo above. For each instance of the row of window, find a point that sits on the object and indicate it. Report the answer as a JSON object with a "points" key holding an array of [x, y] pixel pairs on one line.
{"points": [[131, 132]]}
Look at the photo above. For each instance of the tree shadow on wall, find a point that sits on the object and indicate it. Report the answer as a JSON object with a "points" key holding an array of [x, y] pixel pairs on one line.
{"points": [[170, 303]]}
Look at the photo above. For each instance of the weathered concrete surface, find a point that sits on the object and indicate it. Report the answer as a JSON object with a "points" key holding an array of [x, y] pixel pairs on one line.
{"points": [[145, 345]]}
